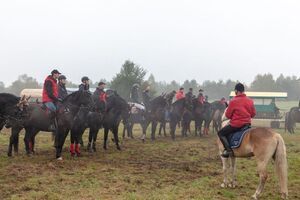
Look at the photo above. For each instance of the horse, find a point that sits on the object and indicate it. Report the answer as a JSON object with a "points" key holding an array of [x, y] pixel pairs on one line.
{"points": [[155, 113], [218, 110], [264, 144], [38, 119], [137, 116], [202, 113], [292, 117], [180, 108], [116, 109]]}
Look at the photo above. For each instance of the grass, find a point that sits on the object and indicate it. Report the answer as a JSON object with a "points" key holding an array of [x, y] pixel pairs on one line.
{"points": [[188, 168]]}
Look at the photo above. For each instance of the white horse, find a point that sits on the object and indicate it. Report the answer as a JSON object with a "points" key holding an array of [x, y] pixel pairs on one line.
{"points": [[264, 144]]}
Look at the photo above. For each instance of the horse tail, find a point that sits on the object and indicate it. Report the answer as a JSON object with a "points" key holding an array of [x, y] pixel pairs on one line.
{"points": [[281, 165]]}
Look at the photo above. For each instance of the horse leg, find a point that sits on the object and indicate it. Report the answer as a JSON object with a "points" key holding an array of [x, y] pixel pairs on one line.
{"points": [[60, 138], [116, 138], [164, 129], [72, 145], [160, 129], [262, 162], [13, 141], [105, 138], [225, 165], [27, 140], [233, 183], [145, 125], [130, 132], [154, 125], [94, 140], [89, 145]]}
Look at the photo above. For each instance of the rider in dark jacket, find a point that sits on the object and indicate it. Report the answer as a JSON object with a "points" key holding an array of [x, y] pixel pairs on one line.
{"points": [[85, 85], [62, 91], [134, 95], [146, 97]]}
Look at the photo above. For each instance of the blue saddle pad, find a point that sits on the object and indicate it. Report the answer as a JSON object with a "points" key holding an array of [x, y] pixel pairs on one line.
{"points": [[236, 138]]}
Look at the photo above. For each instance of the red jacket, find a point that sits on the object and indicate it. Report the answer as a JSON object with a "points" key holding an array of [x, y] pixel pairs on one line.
{"points": [[180, 95], [102, 96], [54, 88], [240, 111]]}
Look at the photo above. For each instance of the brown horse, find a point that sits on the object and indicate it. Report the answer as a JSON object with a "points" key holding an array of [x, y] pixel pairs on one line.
{"points": [[264, 144]]}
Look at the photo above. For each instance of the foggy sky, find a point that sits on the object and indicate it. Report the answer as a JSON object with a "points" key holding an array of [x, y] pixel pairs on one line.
{"points": [[174, 40]]}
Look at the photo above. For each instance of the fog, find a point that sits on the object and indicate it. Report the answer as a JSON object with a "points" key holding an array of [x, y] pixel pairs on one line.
{"points": [[173, 40]]}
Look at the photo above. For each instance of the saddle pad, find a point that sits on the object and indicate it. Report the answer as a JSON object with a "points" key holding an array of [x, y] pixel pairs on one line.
{"points": [[236, 138]]}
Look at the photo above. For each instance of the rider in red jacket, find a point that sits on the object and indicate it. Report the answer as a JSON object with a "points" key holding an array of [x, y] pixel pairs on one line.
{"points": [[50, 96], [180, 94], [240, 111]]}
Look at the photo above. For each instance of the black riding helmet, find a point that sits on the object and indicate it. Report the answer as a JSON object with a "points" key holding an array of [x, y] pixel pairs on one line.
{"points": [[85, 78], [239, 87], [62, 77]]}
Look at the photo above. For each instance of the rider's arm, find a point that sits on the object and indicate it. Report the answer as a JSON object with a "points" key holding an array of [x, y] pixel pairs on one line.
{"points": [[229, 111], [48, 86]]}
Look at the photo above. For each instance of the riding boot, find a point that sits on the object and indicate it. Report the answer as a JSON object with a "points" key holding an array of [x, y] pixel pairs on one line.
{"points": [[53, 125], [228, 151]]}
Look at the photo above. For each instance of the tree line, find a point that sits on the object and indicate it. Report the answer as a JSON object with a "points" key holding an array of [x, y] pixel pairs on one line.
{"points": [[131, 73]]}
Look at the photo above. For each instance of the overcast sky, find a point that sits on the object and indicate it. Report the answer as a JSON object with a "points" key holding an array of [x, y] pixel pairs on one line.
{"points": [[174, 40]]}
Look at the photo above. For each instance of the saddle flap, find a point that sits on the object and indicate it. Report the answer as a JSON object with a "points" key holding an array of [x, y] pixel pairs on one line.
{"points": [[235, 139]]}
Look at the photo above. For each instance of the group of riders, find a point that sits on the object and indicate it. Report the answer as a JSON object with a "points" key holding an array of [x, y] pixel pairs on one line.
{"points": [[240, 109]]}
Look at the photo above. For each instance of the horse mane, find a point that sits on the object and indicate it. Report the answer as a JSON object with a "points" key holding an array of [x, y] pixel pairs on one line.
{"points": [[73, 94]]}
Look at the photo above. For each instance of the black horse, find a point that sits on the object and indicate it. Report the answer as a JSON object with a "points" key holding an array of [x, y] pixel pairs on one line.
{"points": [[293, 117], [180, 109], [71, 105], [154, 114], [38, 119], [116, 110]]}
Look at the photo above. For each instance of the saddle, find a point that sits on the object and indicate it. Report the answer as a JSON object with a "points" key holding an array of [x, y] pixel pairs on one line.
{"points": [[235, 139]]}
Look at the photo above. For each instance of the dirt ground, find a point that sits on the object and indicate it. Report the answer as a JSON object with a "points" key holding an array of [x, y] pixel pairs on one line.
{"points": [[188, 168]]}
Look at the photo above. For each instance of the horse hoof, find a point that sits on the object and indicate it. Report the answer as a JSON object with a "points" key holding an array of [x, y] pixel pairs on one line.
{"points": [[9, 154], [119, 148], [254, 197], [59, 158]]}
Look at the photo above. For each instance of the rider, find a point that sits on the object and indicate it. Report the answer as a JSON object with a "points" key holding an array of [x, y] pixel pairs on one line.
{"points": [[180, 94], [100, 97], [146, 97], [240, 111], [62, 91], [189, 94], [134, 95], [50, 95], [85, 84], [201, 97]]}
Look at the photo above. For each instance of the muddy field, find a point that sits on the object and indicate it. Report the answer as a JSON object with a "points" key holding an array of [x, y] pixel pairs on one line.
{"points": [[188, 168]]}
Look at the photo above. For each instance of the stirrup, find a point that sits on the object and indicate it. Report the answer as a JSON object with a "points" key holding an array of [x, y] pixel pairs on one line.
{"points": [[227, 153]]}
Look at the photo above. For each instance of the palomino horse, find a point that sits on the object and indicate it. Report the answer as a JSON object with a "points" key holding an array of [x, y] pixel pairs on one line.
{"points": [[264, 144]]}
